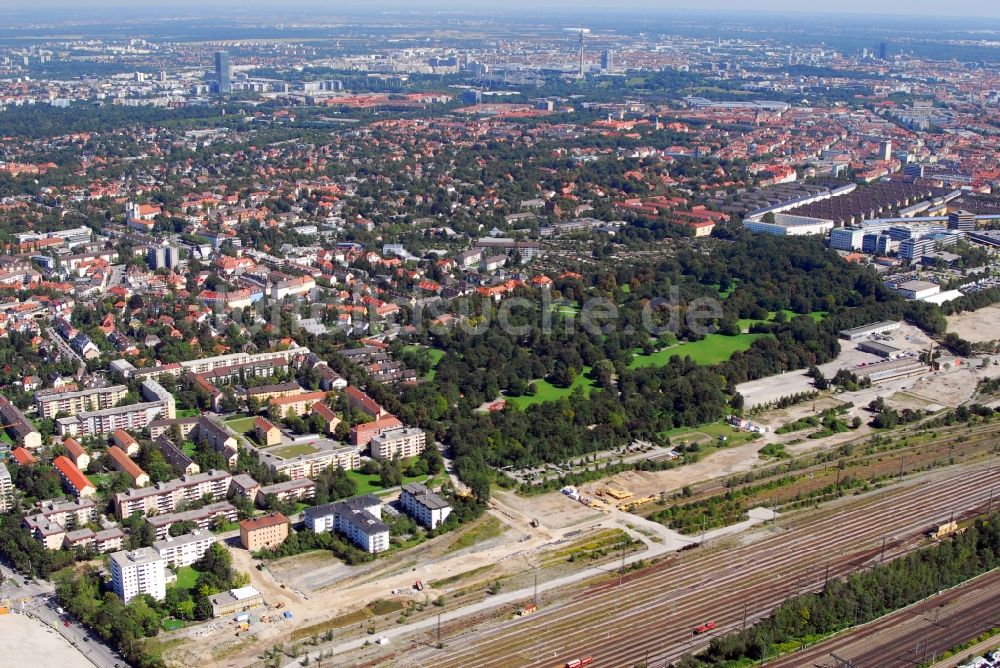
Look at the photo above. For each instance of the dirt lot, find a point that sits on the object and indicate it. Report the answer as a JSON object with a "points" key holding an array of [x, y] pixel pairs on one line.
{"points": [[650, 483], [977, 326], [554, 511]]}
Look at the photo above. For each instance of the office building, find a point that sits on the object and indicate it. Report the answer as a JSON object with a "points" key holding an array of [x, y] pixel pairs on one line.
{"points": [[138, 572], [263, 533], [883, 51], [223, 72], [962, 221], [846, 238], [607, 60], [877, 244], [163, 257], [424, 506], [885, 150]]}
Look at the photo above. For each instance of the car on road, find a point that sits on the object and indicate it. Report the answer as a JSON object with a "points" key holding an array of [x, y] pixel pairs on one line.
{"points": [[704, 628], [66, 624]]}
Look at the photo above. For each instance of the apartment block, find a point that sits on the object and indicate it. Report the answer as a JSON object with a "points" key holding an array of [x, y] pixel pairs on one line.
{"points": [[203, 517], [138, 572], [164, 497], [51, 404], [407, 442], [423, 505], [263, 533], [180, 551], [359, 519]]}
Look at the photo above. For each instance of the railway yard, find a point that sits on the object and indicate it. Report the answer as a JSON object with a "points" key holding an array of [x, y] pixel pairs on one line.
{"points": [[735, 581]]}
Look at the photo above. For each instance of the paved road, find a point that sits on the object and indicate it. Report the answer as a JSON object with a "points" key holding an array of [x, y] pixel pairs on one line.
{"points": [[37, 599]]}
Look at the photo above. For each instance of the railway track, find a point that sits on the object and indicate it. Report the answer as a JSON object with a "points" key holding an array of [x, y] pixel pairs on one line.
{"points": [[912, 636], [651, 615]]}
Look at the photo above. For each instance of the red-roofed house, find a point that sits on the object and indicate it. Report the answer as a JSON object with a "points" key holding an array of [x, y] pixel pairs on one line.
{"points": [[73, 478], [23, 457], [358, 400], [265, 432], [77, 454], [124, 463], [124, 440], [362, 434]]}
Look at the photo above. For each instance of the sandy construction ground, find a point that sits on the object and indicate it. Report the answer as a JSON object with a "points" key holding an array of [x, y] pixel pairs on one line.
{"points": [[977, 326], [29, 642]]}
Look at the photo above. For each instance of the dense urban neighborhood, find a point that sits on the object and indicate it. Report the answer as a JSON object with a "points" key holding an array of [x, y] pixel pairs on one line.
{"points": [[374, 340]]}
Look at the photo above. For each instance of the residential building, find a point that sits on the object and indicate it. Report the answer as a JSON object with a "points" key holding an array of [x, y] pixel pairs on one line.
{"points": [[125, 441], [175, 456], [180, 551], [124, 463], [298, 490], [362, 434], [402, 443], [18, 427], [423, 505], [164, 497], [159, 427], [73, 478], [326, 454], [263, 533], [300, 404], [76, 453], [6, 490], [358, 518], [204, 517], [51, 404], [360, 401], [138, 572], [265, 432]]}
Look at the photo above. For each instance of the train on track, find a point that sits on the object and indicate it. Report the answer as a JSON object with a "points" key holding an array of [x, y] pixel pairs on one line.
{"points": [[579, 663]]}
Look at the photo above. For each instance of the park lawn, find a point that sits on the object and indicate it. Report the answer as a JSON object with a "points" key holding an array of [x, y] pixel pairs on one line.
{"points": [[173, 624], [187, 578], [188, 412], [369, 484], [241, 425], [714, 348], [546, 391], [436, 355], [708, 433], [5, 437], [746, 323], [289, 451]]}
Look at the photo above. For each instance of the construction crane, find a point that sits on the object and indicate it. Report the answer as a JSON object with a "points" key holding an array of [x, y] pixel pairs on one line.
{"points": [[582, 31]]}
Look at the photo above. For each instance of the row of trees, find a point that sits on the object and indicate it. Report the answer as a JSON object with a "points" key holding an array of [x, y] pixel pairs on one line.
{"points": [[861, 597]]}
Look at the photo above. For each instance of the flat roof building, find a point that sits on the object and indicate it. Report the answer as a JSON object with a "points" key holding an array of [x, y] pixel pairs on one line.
{"points": [[138, 572]]}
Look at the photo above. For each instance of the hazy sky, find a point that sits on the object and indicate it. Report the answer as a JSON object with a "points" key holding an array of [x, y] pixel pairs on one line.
{"points": [[953, 8]]}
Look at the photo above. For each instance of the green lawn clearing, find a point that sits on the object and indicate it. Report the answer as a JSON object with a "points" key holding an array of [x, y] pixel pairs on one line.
{"points": [[546, 391], [241, 425], [714, 348], [289, 451]]}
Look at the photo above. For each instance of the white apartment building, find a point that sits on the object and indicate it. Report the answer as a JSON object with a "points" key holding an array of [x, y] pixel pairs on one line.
{"points": [[138, 572], [359, 519], [424, 506], [6, 490], [184, 550], [405, 442]]}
